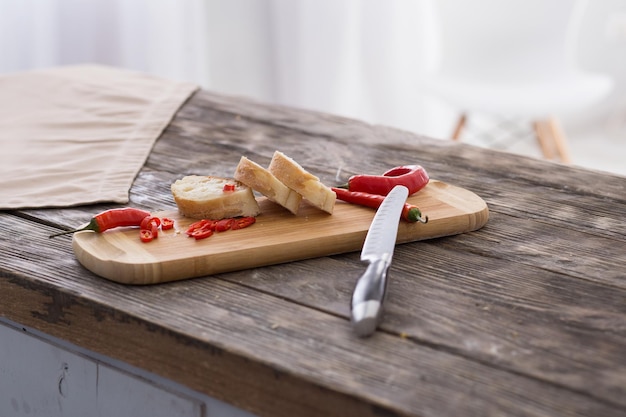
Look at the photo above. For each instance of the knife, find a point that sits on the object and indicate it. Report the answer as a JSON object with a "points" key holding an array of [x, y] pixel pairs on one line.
{"points": [[369, 292]]}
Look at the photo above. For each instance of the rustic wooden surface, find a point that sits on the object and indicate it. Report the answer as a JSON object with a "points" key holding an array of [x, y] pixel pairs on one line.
{"points": [[524, 317]]}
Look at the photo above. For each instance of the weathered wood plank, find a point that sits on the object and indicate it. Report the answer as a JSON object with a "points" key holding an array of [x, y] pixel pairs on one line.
{"points": [[246, 347], [524, 317], [453, 317], [362, 135], [511, 177], [547, 325], [551, 248]]}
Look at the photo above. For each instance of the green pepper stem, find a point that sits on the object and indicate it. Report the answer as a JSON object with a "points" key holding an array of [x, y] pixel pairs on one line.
{"points": [[67, 232], [415, 215], [92, 225]]}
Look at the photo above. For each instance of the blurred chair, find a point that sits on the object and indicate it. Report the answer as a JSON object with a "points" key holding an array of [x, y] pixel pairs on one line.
{"points": [[516, 59]]}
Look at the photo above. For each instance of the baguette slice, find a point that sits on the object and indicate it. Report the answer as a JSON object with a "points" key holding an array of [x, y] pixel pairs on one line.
{"points": [[203, 197], [290, 173], [260, 179]]}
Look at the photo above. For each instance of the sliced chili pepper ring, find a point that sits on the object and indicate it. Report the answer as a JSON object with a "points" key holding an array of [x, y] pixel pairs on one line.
{"points": [[148, 221], [167, 223], [242, 222], [224, 224], [414, 177], [201, 233], [196, 225], [145, 235]]}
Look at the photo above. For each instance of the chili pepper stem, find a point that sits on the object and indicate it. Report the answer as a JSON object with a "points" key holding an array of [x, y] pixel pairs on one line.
{"points": [[414, 214], [92, 225], [67, 232]]}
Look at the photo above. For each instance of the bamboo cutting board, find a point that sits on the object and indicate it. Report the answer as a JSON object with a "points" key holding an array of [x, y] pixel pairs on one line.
{"points": [[277, 236]]}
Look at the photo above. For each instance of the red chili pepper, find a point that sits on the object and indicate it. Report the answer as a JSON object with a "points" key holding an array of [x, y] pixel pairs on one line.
{"points": [[223, 225], [112, 218], [410, 212], [148, 221], [167, 223], [201, 233], [146, 235], [229, 187], [201, 229], [413, 177], [242, 222], [196, 225], [201, 224]]}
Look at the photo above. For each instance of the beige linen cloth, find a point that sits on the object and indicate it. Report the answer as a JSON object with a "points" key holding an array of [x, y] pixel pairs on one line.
{"points": [[79, 134]]}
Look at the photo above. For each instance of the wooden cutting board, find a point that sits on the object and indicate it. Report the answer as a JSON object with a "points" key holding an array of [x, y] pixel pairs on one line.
{"points": [[277, 236]]}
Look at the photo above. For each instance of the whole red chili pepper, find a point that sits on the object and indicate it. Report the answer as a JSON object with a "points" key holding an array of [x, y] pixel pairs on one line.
{"points": [[413, 177], [110, 219], [410, 212]]}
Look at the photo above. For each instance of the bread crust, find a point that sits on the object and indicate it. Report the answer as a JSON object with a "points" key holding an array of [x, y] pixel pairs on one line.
{"points": [[290, 173], [260, 179], [203, 197]]}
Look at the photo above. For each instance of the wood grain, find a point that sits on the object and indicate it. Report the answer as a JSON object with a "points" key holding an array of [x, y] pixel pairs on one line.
{"points": [[523, 317], [225, 330], [277, 236]]}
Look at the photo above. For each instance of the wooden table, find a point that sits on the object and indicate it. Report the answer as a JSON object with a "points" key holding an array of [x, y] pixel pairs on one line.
{"points": [[525, 317]]}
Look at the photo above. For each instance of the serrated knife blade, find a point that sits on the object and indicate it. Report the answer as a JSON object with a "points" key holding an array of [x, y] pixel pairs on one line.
{"points": [[369, 292]]}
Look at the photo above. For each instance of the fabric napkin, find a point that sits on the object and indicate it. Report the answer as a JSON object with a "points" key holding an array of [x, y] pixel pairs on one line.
{"points": [[79, 134]]}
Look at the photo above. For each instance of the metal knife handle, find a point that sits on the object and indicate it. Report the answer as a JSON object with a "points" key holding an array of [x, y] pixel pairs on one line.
{"points": [[368, 297]]}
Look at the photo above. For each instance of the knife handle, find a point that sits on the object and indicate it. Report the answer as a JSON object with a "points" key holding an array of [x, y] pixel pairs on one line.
{"points": [[368, 297]]}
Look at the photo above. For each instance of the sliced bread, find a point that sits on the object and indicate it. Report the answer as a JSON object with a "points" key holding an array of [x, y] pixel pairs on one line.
{"points": [[290, 173], [260, 179], [204, 197]]}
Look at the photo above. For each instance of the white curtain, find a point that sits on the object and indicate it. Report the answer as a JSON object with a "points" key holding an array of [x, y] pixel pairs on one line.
{"points": [[163, 37], [356, 58], [359, 58]]}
